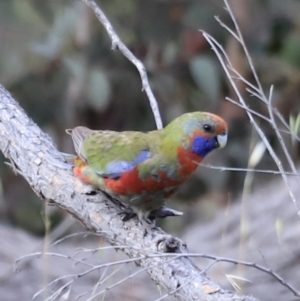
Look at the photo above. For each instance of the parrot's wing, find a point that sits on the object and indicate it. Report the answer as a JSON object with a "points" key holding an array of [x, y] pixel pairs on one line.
{"points": [[111, 153], [115, 168]]}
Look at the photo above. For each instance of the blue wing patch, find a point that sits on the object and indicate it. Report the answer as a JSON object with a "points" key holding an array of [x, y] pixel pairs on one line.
{"points": [[116, 168]]}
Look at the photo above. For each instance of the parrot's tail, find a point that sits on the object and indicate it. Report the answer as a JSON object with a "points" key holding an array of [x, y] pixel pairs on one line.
{"points": [[79, 134], [69, 158]]}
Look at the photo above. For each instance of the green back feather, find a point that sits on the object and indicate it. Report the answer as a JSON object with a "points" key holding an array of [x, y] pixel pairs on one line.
{"points": [[99, 148]]}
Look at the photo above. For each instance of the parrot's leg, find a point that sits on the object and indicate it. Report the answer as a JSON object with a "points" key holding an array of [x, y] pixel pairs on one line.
{"points": [[148, 223], [126, 211], [69, 157], [128, 214], [119, 204], [147, 219], [162, 212]]}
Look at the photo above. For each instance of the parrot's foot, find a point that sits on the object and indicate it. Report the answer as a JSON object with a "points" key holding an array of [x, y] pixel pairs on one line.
{"points": [[164, 212], [69, 158], [148, 223], [148, 219], [128, 214]]}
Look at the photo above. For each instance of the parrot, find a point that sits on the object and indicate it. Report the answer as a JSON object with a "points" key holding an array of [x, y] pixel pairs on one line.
{"points": [[142, 169]]}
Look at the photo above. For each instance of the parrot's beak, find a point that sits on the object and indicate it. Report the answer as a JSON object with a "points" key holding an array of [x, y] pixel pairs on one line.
{"points": [[222, 139]]}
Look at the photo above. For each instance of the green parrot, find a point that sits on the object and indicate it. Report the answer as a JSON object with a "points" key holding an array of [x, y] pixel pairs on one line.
{"points": [[141, 169]]}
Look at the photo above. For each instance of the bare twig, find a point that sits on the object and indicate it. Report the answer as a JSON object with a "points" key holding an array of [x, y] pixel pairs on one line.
{"points": [[118, 44], [126, 279], [77, 276], [38, 254], [227, 168], [155, 255], [247, 264], [255, 90]]}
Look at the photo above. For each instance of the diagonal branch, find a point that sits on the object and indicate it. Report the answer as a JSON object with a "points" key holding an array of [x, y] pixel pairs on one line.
{"points": [[36, 158]]}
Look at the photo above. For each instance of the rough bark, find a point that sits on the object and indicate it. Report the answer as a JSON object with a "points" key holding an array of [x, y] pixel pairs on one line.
{"points": [[34, 156]]}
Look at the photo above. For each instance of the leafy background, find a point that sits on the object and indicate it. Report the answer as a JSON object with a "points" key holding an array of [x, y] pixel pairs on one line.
{"points": [[56, 60]]}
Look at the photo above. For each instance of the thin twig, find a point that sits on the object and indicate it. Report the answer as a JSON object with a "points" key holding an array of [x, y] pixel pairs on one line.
{"points": [[93, 268], [226, 168], [225, 62], [267, 100], [159, 255], [132, 276], [38, 254], [234, 261], [117, 43], [247, 109], [242, 42]]}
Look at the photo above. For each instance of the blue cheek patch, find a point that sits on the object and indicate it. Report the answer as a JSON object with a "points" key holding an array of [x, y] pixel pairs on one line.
{"points": [[116, 168], [202, 146]]}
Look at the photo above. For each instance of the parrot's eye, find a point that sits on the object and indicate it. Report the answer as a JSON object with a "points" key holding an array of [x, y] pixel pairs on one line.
{"points": [[207, 128]]}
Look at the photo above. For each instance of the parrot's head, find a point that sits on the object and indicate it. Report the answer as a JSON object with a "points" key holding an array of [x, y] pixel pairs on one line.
{"points": [[199, 132]]}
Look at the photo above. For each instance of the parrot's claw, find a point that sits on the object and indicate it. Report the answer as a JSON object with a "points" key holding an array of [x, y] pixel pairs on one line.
{"points": [[69, 158], [128, 214], [164, 212], [148, 223], [115, 201], [148, 220]]}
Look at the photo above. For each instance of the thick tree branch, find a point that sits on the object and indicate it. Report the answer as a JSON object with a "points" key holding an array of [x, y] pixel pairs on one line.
{"points": [[34, 156]]}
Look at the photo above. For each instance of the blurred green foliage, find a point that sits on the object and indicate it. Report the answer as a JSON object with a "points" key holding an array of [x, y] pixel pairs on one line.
{"points": [[56, 59]]}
